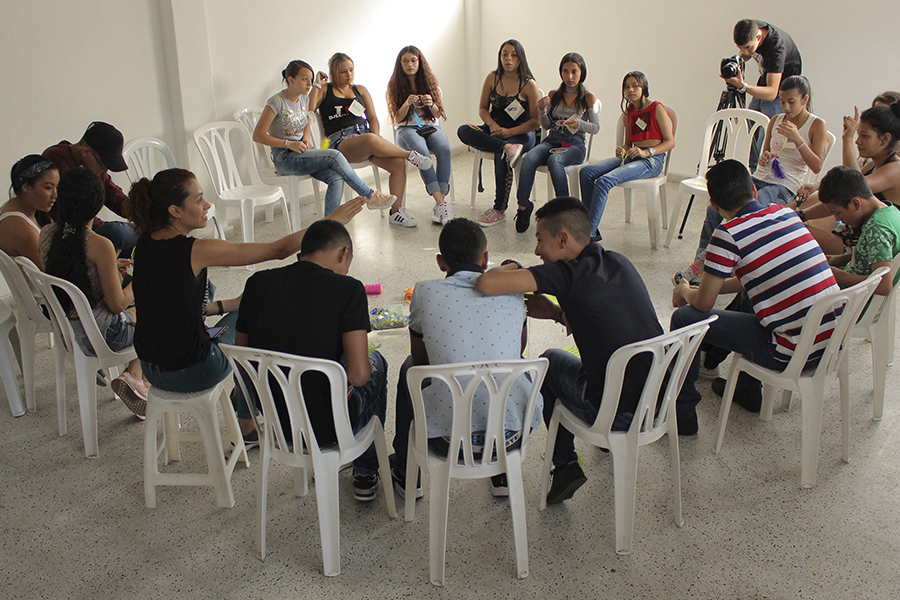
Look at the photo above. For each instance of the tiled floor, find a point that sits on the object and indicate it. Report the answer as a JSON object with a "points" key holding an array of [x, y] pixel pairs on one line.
{"points": [[77, 528]]}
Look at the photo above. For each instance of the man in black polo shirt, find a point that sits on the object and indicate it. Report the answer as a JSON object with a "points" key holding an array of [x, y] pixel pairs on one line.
{"points": [[777, 57], [604, 304]]}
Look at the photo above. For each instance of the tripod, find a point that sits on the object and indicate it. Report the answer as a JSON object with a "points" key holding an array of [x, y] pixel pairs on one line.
{"points": [[730, 98]]}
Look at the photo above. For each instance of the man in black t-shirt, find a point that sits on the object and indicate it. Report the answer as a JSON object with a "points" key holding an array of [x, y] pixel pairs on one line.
{"points": [[603, 302], [313, 308], [777, 57]]}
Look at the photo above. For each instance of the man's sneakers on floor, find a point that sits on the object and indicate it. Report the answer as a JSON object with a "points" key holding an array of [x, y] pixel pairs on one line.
{"points": [[442, 213], [401, 218], [364, 487], [747, 392], [422, 162], [688, 425], [513, 153], [499, 486], [398, 476], [251, 440], [379, 200], [566, 481], [523, 218], [133, 392], [708, 373], [491, 217], [690, 273]]}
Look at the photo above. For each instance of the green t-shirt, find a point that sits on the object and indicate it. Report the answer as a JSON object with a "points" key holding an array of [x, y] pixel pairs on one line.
{"points": [[879, 241]]}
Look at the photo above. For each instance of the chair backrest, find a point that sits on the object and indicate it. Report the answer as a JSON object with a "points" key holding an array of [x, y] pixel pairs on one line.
{"points": [[316, 129], [142, 155], [261, 367], [249, 117], [670, 356], [880, 304], [463, 380], [854, 300], [22, 292], [48, 285], [216, 142], [739, 126], [830, 138]]}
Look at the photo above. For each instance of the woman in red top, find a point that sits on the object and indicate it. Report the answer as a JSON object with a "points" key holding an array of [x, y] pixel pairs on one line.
{"points": [[648, 136]]}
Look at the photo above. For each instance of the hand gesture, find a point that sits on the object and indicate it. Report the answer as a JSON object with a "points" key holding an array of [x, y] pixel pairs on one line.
{"points": [[348, 210], [850, 125], [426, 100], [571, 123], [413, 99], [543, 103], [790, 131], [765, 158], [539, 306], [806, 189], [737, 81], [621, 152], [495, 129], [124, 266], [635, 152], [502, 133], [321, 78], [678, 294]]}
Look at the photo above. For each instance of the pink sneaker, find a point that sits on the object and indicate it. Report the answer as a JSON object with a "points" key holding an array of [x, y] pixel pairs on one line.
{"points": [[513, 154], [133, 392], [491, 217], [380, 200]]}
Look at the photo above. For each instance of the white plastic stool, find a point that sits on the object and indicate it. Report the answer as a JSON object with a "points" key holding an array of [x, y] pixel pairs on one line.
{"points": [[203, 406]]}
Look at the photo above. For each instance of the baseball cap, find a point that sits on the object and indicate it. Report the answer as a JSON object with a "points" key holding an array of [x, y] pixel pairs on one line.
{"points": [[107, 142]]}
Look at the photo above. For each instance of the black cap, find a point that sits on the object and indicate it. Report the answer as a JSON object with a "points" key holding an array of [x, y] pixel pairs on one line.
{"points": [[107, 142]]}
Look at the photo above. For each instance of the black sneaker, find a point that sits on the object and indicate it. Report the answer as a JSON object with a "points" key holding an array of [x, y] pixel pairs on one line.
{"points": [[251, 440], [747, 392], [523, 218], [398, 477], [596, 238], [364, 487], [688, 425], [566, 481], [499, 486]]}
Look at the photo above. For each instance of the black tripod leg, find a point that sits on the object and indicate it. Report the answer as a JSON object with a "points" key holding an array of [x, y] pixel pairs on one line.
{"points": [[684, 220]]}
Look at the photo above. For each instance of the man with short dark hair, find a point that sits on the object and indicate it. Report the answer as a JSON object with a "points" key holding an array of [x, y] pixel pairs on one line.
{"points": [[768, 253], [777, 57], [100, 150], [603, 303], [450, 322], [846, 194], [313, 308]]}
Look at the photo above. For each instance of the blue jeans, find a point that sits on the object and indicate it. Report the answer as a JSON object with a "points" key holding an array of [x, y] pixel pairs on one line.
{"points": [[121, 234], [599, 178], [371, 399], [767, 193], [326, 165], [543, 154], [434, 143], [770, 108], [480, 138]]}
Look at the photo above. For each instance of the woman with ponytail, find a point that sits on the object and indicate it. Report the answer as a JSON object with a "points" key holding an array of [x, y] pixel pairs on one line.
{"points": [[70, 250], [34, 181], [170, 284]]}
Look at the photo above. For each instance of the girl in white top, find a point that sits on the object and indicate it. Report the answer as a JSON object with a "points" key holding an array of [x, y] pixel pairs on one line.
{"points": [[34, 181]]}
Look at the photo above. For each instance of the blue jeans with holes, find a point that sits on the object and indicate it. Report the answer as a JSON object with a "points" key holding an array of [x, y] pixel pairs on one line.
{"points": [[326, 165], [557, 157], [599, 178], [480, 138], [434, 143], [770, 108]]}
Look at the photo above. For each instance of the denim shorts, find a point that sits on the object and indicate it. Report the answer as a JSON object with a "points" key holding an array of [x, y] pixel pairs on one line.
{"points": [[335, 139], [119, 335]]}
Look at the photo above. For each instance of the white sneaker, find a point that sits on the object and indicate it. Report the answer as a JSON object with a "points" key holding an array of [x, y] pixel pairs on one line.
{"points": [[402, 218], [442, 213], [422, 162], [705, 373]]}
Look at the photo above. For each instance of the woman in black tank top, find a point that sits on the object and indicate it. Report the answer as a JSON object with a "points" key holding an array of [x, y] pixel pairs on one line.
{"points": [[349, 121]]}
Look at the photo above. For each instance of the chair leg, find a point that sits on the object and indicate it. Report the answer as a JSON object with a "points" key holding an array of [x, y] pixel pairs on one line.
{"points": [[27, 333], [624, 459], [412, 470], [475, 164], [675, 456], [172, 427], [247, 221], [328, 503], [768, 402], [653, 217], [59, 358], [673, 220], [629, 196], [8, 373], [384, 469], [725, 408], [151, 468], [288, 215], [844, 377], [880, 360], [318, 206], [812, 401], [574, 184], [208, 423], [664, 206], [552, 429], [301, 482], [517, 507], [85, 376], [262, 497], [437, 521]]}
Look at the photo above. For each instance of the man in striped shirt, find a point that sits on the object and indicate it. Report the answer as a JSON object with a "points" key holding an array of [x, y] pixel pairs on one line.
{"points": [[769, 255]]}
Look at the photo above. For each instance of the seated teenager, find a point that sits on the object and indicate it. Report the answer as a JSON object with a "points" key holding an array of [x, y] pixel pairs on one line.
{"points": [[34, 181], [603, 303], [331, 323], [450, 322], [70, 250], [767, 254]]}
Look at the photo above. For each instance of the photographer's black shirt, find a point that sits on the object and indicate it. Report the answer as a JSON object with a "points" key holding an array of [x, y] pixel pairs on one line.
{"points": [[779, 54]]}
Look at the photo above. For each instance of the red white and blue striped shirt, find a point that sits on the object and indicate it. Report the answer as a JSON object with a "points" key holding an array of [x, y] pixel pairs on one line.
{"points": [[782, 269]]}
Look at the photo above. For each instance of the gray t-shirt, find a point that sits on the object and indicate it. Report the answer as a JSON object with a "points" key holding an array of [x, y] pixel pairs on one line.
{"points": [[290, 117]]}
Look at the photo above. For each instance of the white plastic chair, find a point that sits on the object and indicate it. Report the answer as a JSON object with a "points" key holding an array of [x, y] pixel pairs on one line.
{"points": [[572, 171], [451, 194], [7, 372], [216, 143], [739, 126], [461, 462], [265, 168], [319, 135], [142, 155], [810, 385], [86, 367], [266, 370], [878, 325], [654, 187], [203, 405], [670, 353], [30, 321]]}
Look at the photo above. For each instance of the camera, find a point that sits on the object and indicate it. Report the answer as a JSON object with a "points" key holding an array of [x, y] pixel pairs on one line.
{"points": [[731, 66]]}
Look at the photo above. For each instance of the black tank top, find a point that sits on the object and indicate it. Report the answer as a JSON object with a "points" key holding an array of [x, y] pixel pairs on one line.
{"points": [[499, 103], [335, 111], [171, 302]]}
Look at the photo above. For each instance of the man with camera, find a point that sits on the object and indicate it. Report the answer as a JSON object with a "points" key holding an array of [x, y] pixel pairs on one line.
{"points": [[777, 57]]}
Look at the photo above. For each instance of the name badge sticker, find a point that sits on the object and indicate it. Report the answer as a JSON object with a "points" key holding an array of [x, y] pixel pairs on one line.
{"points": [[641, 124], [357, 108], [515, 109]]}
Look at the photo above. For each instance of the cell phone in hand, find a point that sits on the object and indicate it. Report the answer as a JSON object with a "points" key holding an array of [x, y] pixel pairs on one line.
{"points": [[216, 332]]}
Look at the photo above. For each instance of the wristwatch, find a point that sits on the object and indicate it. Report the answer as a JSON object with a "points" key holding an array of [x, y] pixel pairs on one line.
{"points": [[652, 151]]}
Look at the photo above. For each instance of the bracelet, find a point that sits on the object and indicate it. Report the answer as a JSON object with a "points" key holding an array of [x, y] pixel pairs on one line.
{"points": [[800, 146], [221, 307], [317, 85]]}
